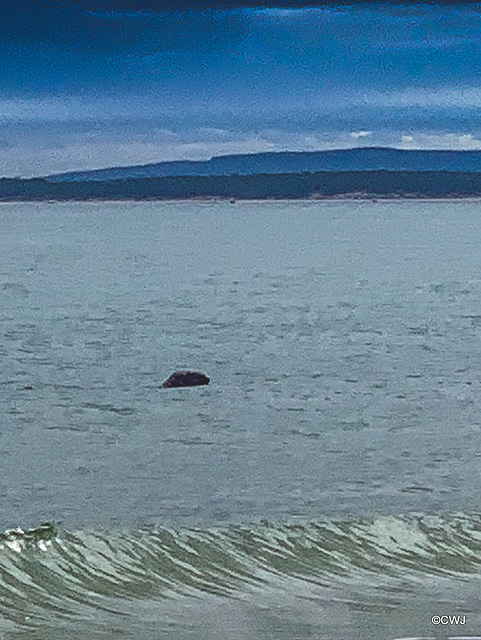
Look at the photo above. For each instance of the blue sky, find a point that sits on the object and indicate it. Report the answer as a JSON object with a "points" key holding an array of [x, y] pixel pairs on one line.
{"points": [[127, 82]]}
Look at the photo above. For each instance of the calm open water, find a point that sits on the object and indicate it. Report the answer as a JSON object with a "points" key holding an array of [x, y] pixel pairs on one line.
{"points": [[325, 485]]}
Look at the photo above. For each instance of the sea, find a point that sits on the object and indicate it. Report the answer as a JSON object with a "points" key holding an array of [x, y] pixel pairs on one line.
{"points": [[326, 485]]}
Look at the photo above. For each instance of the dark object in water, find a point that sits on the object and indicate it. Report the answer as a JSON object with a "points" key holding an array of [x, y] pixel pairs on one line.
{"points": [[186, 379]]}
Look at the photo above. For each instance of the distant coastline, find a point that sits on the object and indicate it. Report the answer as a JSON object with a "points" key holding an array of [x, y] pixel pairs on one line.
{"points": [[323, 185]]}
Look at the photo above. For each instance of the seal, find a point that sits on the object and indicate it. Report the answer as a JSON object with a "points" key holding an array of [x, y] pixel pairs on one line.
{"points": [[186, 379]]}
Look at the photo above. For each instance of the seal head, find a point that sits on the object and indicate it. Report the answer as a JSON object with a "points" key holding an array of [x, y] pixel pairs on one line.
{"points": [[186, 379]]}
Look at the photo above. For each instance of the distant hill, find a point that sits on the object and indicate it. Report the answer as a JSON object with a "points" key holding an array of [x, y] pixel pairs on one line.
{"points": [[359, 159]]}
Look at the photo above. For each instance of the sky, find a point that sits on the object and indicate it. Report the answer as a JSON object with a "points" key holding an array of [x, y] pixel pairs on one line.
{"points": [[102, 83]]}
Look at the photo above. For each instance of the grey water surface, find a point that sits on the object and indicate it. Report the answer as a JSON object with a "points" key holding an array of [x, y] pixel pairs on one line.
{"points": [[326, 484]]}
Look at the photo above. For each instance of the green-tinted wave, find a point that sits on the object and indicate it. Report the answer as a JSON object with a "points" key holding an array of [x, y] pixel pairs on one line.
{"points": [[47, 574]]}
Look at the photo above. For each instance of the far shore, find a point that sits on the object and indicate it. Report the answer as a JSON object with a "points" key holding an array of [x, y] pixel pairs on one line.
{"points": [[221, 200]]}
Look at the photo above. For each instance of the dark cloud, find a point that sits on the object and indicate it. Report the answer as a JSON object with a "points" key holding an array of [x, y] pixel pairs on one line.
{"points": [[235, 55], [162, 5], [16, 9]]}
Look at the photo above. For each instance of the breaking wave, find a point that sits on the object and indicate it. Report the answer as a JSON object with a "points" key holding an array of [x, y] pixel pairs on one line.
{"points": [[58, 572]]}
